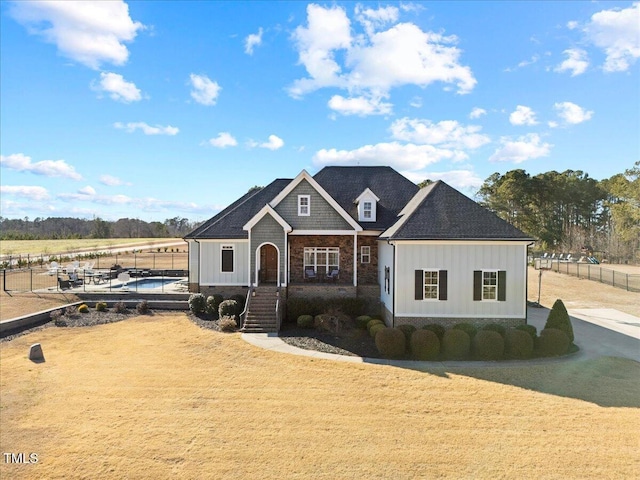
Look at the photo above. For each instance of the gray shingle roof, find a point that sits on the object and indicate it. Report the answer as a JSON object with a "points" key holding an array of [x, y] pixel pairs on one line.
{"points": [[440, 212], [229, 222], [345, 184]]}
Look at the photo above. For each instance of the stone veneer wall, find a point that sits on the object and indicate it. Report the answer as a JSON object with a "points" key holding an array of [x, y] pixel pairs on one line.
{"points": [[368, 272], [450, 322], [225, 291], [296, 257]]}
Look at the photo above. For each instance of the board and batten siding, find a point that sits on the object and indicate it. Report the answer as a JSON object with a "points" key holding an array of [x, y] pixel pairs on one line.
{"points": [[460, 260], [322, 215], [210, 263], [268, 230], [194, 258]]}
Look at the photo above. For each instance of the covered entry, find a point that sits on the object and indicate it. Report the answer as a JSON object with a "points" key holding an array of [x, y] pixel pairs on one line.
{"points": [[268, 264]]}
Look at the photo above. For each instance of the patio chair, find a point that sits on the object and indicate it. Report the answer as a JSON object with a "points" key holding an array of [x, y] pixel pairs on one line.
{"points": [[53, 268], [64, 284], [333, 274], [309, 274], [75, 280]]}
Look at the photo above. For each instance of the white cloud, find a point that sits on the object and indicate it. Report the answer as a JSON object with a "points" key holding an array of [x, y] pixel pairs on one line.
{"points": [[416, 102], [89, 32], [88, 191], [370, 64], [477, 112], [361, 106], [524, 148], [31, 192], [577, 62], [147, 129], [572, 25], [252, 40], [47, 168], [523, 116], [571, 113], [447, 133], [204, 90], [112, 181], [617, 32], [409, 157], [117, 88], [552, 124], [223, 140], [274, 143]]}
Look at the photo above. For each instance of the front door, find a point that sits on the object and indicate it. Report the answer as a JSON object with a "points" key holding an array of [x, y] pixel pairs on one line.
{"points": [[268, 264]]}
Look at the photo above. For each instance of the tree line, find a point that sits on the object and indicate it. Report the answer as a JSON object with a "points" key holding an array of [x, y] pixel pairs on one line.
{"points": [[66, 227], [570, 211]]}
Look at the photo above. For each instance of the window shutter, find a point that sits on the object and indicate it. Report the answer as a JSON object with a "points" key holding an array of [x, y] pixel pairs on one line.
{"points": [[442, 284], [227, 260], [502, 286], [419, 285], [477, 285]]}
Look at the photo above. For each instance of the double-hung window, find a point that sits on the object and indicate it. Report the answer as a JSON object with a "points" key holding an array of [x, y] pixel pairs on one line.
{"points": [[365, 254], [490, 285], [366, 210], [226, 258], [430, 284], [304, 205]]}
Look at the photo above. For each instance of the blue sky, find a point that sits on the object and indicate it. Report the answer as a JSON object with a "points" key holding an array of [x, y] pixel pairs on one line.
{"points": [[153, 110]]}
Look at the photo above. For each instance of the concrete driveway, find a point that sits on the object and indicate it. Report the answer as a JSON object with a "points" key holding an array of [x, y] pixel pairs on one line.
{"points": [[598, 332]]}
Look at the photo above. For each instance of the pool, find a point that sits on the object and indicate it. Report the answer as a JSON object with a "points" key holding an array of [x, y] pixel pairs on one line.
{"points": [[147, 283]]}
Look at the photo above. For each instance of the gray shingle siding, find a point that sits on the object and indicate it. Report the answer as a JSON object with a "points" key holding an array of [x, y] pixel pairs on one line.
{"points": [[269, 231], [323, 215]]}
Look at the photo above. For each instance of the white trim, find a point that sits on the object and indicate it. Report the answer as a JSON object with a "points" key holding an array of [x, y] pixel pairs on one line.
{"points": [[249, 261], [355, 259], [303, 175], [224, 240], [497, 285], [308, 205], [367, 197], [362, 254], [321, 232], [367, 194], [258, 261], [424, 283], [370, 233], [233, 258], [459, 242], [267, 209]]}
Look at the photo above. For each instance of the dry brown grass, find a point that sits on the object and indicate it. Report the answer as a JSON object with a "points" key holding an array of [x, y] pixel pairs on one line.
{"points": [[158, 397], [65, 246]]}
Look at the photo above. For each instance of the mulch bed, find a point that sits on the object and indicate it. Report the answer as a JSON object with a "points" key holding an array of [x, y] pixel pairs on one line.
{"points": [[350, 341]]}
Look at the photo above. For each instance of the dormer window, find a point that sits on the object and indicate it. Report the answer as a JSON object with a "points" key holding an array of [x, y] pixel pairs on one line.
{"points": [[304, 205], [367, 202]]}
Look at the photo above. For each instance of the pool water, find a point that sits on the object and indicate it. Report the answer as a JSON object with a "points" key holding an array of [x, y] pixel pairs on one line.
{"points": [[144, 283]]}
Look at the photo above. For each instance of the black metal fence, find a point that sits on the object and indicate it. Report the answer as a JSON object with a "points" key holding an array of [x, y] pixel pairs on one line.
{"points": [[598, 273]]}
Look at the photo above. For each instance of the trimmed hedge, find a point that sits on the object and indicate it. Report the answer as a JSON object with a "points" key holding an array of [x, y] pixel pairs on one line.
{"points": [[407, 330], [530, 329], [101, 306], [391, 342], [373, 331], [84, 308], [305, 321], [197, 303], [213, 303], [373, 322], [488, 345], [467, 327], [495, 327], [518, 343], [559, 318], [553, 342], [437, 329], [456, 344], [424, 345], [362, 320], [228, 308]]}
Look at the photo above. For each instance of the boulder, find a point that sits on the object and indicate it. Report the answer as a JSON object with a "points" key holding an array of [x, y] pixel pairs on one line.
{"points": [[35, 353]]}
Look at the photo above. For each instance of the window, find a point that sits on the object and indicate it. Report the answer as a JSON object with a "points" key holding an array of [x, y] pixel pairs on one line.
{"points": [[431, 285], [365, 254], [387, 279], [367, 211], [490, 285], [322, 260], [304, 205], [226, 259]]}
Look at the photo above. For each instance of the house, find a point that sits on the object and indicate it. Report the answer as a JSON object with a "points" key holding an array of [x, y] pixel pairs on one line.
{"points": [[429, 255]]}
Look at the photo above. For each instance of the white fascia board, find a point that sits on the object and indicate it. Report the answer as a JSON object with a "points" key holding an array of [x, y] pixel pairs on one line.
{"points": [[369, 233], [322, 232], [224, 240], [478, 241], [367, 194], [303, 175], [267, 209]]}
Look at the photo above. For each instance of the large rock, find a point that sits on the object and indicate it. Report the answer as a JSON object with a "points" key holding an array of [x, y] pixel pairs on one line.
{"points": [[35, 353]]}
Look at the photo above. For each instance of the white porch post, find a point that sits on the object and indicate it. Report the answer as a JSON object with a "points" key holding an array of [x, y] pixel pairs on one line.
{"points": [[355, 259]]}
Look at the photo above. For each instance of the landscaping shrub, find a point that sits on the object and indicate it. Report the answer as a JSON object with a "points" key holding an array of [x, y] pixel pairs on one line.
{"points": [[553, 342], [101, 306], [424, 345], [120, 307], [488, 345], [83, 308], [197, 303], [559, 318], [227, 324], [58, 319], [302, 306], [456, 344], [437, 329], [530, 329], [228, 308], [70, 310], [333, 322], [467, 327], [143, 308], [305, 321], [407, 330], [373, 322], [391, 342], [518, 343], [495, 327], [349, 306], [240, 300], [373, 331], [213, 303], [362, 321]]}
